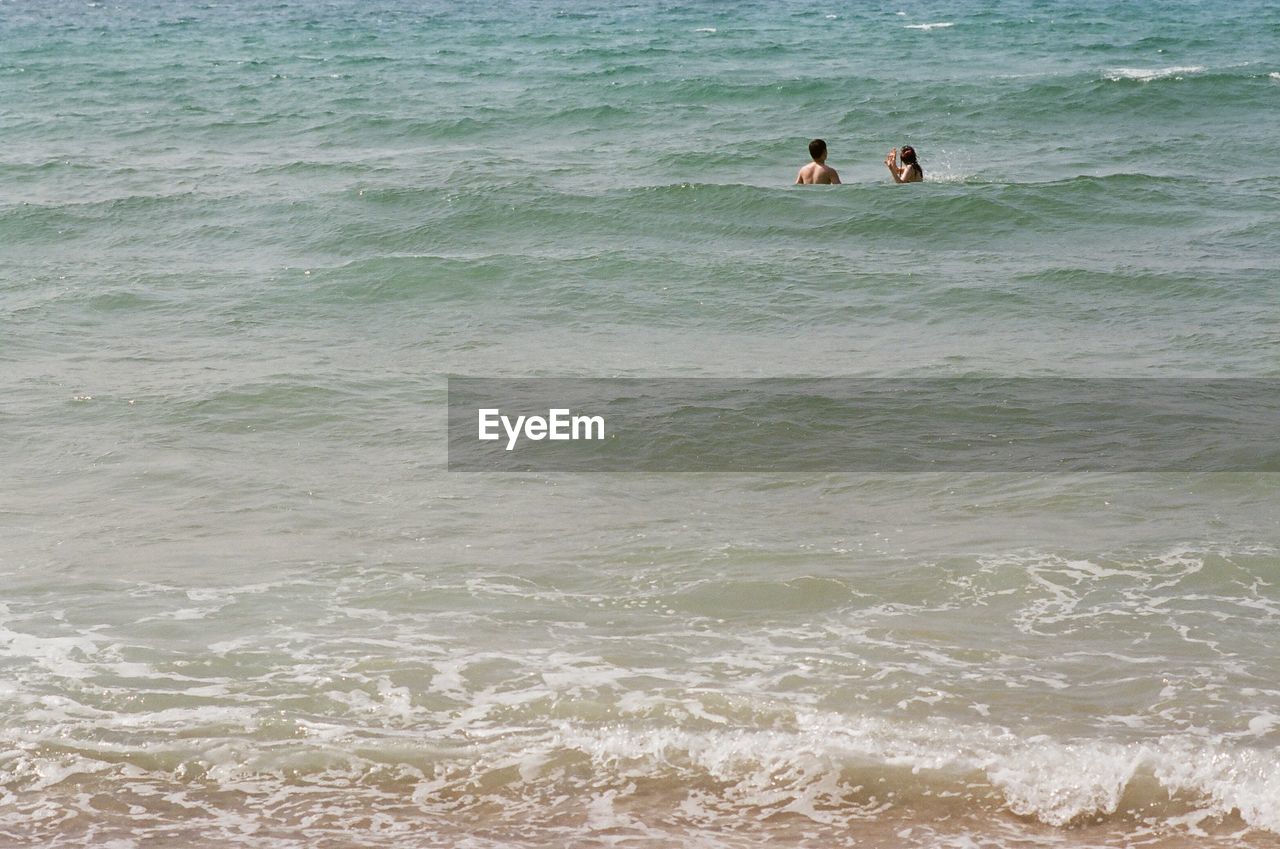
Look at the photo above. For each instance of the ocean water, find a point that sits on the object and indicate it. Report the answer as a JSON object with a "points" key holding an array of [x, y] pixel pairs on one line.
{"points": [[244, 603]]}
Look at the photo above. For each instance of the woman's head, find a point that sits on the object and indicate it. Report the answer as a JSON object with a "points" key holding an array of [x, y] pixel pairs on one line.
{"points": [[908, 155]]}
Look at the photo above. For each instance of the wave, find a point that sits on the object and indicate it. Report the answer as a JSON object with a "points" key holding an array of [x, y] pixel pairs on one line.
{"points": [[1148, 74], [703, 91], [1156, 93], [683, 729], [337, 132], [428, 220], [396, 278], [1137, 282], [102, 219], [1058, 783], [970, 204], [831, 774]]}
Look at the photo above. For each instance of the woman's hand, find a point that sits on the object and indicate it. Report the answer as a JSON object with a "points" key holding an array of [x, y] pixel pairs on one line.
{"points": [[892, 161]]}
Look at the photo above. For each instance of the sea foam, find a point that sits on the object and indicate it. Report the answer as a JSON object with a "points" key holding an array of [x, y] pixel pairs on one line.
{"points": [[1148, 74]]}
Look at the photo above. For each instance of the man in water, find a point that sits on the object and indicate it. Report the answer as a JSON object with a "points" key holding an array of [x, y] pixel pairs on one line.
{"points": [[817, 171]]}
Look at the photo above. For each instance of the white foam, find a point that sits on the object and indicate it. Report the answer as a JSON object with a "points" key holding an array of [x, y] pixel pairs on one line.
{"points": [[800, 767], [65, 657], [1275, 75], [705, 29], [928, 27], [1263, 723], [1146, 75], [1055, 782]]}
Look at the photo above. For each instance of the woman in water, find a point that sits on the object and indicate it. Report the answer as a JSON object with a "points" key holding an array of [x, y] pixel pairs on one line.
{"points": [[909, 171]]}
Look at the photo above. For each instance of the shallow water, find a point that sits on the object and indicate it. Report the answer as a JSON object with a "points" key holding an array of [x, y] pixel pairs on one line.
{"points": [[242, 247]]}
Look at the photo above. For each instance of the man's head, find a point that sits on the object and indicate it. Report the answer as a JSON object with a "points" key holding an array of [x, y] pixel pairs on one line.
{"points": [[818, 150]]}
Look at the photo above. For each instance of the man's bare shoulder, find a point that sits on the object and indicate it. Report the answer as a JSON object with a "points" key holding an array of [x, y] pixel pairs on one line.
{"points": [[815, 174]]}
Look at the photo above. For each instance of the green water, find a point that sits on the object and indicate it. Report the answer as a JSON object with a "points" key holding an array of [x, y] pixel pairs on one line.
{"points": [[242, 602]]}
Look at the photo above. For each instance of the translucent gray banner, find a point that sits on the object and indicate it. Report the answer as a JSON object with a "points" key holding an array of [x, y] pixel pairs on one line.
{"points": [[1024, 425]]}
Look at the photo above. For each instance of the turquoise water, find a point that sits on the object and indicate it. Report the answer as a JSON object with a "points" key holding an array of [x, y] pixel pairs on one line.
{"points": [[242, 245]]}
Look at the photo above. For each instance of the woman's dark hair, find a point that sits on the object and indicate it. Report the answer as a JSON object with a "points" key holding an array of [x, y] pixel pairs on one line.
{"points": [[909, 158]]}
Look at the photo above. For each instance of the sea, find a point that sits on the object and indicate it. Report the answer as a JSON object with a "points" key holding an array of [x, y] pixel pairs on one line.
{"points": [[244, 601]]}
